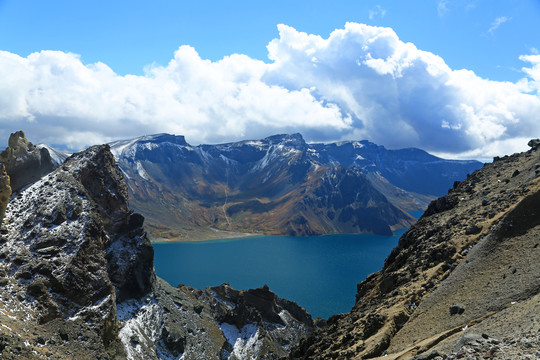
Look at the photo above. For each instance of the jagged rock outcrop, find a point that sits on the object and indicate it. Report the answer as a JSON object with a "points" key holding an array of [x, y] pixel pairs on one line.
{"points": [[534, 144], [5, 193], [258, 315], [55, 255], [468, 265], [77, 281], [24, 162]]}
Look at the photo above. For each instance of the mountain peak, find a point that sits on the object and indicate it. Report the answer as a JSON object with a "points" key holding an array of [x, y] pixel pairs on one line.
{"points": [[76, 262], [164, 138], [128, 148], [295, 139]]}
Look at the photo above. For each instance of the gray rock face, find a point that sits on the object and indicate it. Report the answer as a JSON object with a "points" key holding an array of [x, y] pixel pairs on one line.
{"points": [[129, 253], [24, 162], [534, 144], [77, 282], [260, 315], [5, 192], [55, 261]]}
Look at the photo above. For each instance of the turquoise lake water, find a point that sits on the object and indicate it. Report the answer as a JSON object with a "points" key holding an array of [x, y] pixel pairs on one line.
{"points": [[320, 273]]}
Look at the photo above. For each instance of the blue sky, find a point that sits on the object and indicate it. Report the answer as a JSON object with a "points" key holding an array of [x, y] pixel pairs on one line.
{"points": [[137, 40], [128, 35]]}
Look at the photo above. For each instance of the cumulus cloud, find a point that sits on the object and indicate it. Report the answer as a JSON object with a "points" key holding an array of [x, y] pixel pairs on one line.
{"points": [[532, 83], [362, 82], [61, 100], [398, 95]]}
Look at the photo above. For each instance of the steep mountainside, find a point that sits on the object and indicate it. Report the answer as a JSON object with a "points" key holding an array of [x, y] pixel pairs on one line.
{"points": [[5, 193], [463, 278], [278, 185], [77, 280], [57, 156]]}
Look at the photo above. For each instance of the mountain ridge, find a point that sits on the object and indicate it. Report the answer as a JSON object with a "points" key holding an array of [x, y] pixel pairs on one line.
{"points": [[76, 270], [189, 192], [463, 279]]}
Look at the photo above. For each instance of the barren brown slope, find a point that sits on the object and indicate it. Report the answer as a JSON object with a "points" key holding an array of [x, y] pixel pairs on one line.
{"points": [[477, 246]]}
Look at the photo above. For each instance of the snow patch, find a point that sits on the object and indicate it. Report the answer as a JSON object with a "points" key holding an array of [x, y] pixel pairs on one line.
{"points": [[57, 156], [142, 172], [246, 342], [140, 322]]}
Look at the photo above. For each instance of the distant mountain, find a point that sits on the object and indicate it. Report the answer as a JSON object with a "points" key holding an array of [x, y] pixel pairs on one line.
{"points": [[278, 185], [57, 156]]}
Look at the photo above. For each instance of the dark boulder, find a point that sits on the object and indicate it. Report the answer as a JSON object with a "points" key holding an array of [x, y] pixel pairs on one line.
{"points": [[473, 229], [534, 144], [457, 309]]}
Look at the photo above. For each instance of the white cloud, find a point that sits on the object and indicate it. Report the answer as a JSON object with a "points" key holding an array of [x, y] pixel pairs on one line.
{"points": [[377, 11], [532, 83], [58, 99], [399, 95], [442, 8], [497, 23], [362, 82]]}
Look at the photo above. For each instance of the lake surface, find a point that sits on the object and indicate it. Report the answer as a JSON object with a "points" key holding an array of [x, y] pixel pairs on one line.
{"points": [[320, 273]]}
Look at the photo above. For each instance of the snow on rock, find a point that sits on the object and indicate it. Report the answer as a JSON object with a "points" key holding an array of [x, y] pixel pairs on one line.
{"points": [[140, 325], [246, 342], [78, 260], [58, 156], [142, 173]]}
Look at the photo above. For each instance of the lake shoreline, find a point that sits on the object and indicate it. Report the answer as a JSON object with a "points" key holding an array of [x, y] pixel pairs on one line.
{"points": [[320, 273], [223, 235]]}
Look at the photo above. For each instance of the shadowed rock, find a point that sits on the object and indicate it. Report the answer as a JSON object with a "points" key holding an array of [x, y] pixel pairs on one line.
{"points": [[5, 192], [24, 162]]}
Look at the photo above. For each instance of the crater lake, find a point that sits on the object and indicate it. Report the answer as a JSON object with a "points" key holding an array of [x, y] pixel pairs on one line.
{"points": [[320, 273]]}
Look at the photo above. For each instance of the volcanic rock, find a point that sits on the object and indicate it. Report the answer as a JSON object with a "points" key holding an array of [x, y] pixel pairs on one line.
{"points": [[24, 162], [77, 279], [456, 308], [5, 192], [487, 276], [534, 144]]}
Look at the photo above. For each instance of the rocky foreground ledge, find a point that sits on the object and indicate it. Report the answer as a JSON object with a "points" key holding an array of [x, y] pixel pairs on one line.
{"points": [[77, 280], [468, 266]]}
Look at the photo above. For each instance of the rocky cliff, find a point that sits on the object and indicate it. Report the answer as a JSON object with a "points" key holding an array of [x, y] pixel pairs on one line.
{"points": [[5, 193], [24, 162], [77, 279], [278, 185], [463, 280]]}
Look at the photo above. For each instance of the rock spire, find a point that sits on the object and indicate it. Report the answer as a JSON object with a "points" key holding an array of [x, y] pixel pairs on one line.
{"points": [[24, 162]]}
